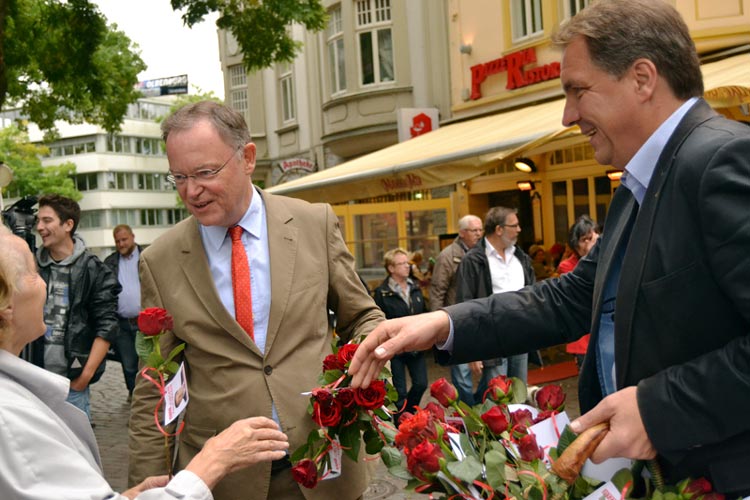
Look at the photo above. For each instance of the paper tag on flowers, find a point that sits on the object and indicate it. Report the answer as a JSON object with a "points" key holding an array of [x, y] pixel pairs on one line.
{"points": [[608, 491], [548, 431], [175, 395], [335, 455]]}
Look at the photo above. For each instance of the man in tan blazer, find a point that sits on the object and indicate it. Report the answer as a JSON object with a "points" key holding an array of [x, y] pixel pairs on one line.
{"points": [[300, 268]]}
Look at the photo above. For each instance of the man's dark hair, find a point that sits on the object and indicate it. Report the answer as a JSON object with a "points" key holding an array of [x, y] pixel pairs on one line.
{"points": [[64, 207], [496, 216]]}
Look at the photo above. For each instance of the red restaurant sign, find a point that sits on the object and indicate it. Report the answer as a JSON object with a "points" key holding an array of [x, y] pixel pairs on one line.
{"points": [[517, 77]]}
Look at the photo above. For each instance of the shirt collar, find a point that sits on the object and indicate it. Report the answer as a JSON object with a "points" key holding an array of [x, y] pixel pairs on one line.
{"points": [[641, 167], [511, 250], [250, 222]]}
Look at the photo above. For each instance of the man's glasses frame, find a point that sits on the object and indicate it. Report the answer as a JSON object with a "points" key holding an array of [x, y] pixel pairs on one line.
{"points": [[201, 176]]}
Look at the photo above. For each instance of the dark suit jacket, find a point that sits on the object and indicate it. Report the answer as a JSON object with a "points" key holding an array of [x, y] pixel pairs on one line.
{"points": [[683, 304], [228, 377]]}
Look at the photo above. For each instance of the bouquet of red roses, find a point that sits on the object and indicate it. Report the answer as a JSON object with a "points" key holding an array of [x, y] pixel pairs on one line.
{"points": [[345, 417], [505, 449]]}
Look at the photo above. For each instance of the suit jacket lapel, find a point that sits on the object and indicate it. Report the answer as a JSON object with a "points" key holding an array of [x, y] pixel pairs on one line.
{"points": [[194, 265], [640, 240], [282, 246]]}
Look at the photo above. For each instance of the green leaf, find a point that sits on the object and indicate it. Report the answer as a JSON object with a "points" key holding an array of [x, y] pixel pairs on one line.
{"points": [[373, 443], [299, 453], [400, 472], [143, 346], [177, 350], [331, 376], [519, 391], [495, 469], [350, 439], [390, 456], [566, 438], [468, 469], [171, 367], [154, 360], [621, 478], [467, 446]]}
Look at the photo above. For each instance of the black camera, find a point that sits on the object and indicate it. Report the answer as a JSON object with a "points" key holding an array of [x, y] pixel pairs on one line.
{"points": [[20, 217]]}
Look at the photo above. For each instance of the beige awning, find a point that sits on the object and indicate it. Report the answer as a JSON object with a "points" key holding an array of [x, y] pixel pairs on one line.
{"points": [[448, 155], [461, 151]]}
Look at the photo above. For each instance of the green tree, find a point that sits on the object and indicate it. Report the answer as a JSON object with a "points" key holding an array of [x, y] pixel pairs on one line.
{"points": [[29, 176], [260, 27], [60, 61]]}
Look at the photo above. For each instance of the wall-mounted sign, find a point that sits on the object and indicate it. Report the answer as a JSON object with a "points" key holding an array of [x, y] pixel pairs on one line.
{"points": [[412, 122], [297, 164], [513, 64], [290, 169], [406, 183], [164, 86]]}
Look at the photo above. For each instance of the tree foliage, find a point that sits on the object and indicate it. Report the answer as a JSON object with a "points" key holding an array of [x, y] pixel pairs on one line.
{"points": [[29, 176], [60, 61], [260, 27]]}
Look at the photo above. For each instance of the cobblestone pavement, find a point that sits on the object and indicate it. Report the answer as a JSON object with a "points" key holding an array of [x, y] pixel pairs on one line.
{"points": [[110, 411]]}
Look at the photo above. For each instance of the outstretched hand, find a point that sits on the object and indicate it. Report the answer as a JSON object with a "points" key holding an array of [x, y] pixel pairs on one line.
{"points": [[627, 436], [410, 333]]}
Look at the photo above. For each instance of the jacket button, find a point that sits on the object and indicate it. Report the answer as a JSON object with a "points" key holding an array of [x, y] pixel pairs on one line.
{"points": [[267, 369]]}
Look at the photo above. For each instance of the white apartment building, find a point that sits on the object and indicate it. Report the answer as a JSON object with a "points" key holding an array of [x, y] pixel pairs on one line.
{"points": [[122, 177]]}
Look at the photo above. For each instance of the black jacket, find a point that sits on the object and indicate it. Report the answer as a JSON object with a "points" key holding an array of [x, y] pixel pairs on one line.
{"points": [[92, 312], [682, 327], [393, 306]]}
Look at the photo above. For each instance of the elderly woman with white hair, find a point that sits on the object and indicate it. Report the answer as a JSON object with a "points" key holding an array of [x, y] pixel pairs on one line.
{"points": [[49, 449]]}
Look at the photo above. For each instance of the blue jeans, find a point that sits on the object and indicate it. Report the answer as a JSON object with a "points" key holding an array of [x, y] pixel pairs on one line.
{"points": [[461, 378], [415, 363], [125, 348], [518, 366], [81, 400]]}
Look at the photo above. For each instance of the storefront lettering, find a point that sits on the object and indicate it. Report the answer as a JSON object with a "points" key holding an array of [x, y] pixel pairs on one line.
{"points": [[411, 181], [513, 64]]}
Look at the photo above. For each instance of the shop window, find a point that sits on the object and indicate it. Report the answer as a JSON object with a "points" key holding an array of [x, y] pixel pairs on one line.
{"points": [[374, 235], [526, 18], [375, 41], [560, 210], [335, 41], [423, 227], [580, 198]]}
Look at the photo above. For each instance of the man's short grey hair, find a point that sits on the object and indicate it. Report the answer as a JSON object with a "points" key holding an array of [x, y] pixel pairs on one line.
{"points": [[618, 32], [463, 222], [229, 124]]}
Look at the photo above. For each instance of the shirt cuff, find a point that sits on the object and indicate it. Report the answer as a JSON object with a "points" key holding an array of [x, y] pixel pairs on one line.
{"points": [[448, 344], [188, 485]]}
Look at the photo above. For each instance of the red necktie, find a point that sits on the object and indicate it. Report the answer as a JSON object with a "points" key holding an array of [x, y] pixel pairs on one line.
{"points": [[243, 298]]}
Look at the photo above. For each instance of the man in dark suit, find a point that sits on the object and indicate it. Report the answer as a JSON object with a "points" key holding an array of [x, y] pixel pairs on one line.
{"points": [[670, 370]]}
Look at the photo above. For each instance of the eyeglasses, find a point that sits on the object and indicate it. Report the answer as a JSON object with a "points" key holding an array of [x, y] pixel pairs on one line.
{"points": [[514, 226], [475, 231], [201, 176]]}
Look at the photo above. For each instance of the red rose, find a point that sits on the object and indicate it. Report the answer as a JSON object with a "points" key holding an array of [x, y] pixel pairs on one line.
{"points": [[331, 362], [154, 320], [521, 417], [550, 397], [327, 414], [544, 415], [496, 420], [500, 389], [323, 396], [413, 429], [345, 397], [305, 473], [444, 392], [436, 410], [371, 398], [529, 449], [346, 353], [424, 460], [697, 487]]}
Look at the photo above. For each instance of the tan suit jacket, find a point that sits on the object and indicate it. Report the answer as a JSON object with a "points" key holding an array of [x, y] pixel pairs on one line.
{"points": [[228, 377]]}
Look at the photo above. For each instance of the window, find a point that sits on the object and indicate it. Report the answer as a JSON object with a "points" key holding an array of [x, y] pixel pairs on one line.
{"points": [[375, 42], [151, 217], [286, 83], [238, 88], [152, 182], [123, 216], [175, 215], [375, 234], [335, 35], [149, 146], [91, 219], [572, 7], [87, 182], [526, 18], [120, 181], [118, 144], [422, 228]]}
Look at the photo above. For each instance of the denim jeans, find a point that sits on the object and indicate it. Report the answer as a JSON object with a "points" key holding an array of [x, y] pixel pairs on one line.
{"points": [[81, 400], [518, 366], [125, 348], [413, 362], [461, 378]]}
